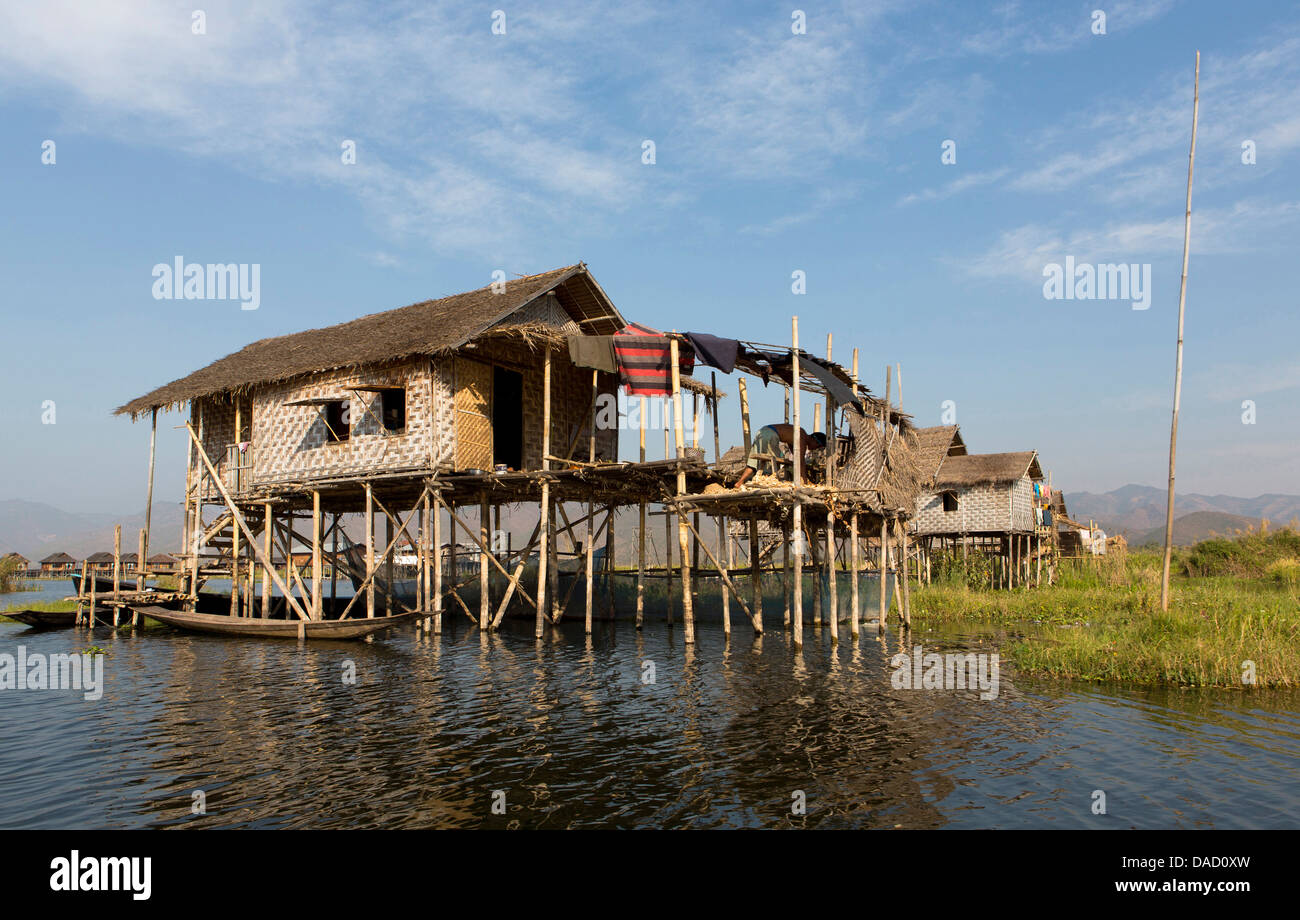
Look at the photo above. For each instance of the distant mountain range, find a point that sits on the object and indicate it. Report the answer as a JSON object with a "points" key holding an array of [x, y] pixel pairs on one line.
{"points": [[1138, 512], [36, 530]]}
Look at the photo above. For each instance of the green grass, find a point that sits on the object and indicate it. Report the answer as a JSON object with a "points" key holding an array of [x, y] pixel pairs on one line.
{"points": [[1102, 621], [53, 606]]}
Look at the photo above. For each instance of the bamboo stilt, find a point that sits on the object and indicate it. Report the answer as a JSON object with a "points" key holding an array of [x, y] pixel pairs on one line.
{"points": [[484, 597], [317, 572], [797, 526], [269, 520], [856, 565], [688, 607]]}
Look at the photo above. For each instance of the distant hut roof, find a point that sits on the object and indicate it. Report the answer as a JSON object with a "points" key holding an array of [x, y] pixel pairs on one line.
{"points": [[426, 328], [933, 445], [97, 558], [162, 559], [973, 469], [15, 556], [57, 559]]}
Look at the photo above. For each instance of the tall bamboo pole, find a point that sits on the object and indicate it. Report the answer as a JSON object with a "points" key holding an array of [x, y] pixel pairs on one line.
{"points": [[1178, 361], [797, 474], [724, 538], [831, 455], [684, 562], [755, 563], [148, 497], [856, 561], [588, 545]]}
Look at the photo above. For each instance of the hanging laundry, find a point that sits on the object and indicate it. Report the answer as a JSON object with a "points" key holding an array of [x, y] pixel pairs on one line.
{"points": [[594, 351], [645, 360], [715, 352], [839, 391]]}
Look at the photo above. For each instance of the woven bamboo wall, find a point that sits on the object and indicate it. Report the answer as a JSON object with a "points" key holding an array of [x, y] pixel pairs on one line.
{"points": [[291, 442], [985, 507]]}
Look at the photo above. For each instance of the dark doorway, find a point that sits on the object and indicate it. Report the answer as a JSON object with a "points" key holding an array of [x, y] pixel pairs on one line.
{"points": [[508, 418]]}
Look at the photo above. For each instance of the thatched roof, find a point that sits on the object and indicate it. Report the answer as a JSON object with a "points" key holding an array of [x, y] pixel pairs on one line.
{"points": [[932, 445], [99, 558], [57, 559], [976, 469], [426, 328]]}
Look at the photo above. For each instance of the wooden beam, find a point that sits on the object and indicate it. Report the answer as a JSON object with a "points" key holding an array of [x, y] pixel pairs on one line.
{"points": [[239, 520]]}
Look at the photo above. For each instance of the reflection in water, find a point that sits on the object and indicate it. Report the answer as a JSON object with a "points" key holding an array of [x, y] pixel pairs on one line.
{"points": [[726, 734]]}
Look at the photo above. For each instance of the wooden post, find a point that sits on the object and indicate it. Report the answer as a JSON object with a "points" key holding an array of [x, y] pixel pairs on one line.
{"points": [[668, 529], [370, 551], [906, 604], [1178, 361], [688, 607], [234, 569], [266, 554], [755, 571], [82, 593], [544, 508], [640, 538], [832, 578], [317, 575], [855, 560], [148, 497], [787, 563], [884, 572], [724, 538], [140, 560], [93, 592], [117, 561], [437, 570], [797, 526], [484, 595], [856, 565], [426, 554]]}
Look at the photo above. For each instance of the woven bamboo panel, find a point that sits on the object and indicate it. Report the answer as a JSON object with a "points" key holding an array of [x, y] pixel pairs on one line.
{"points": [[473, 414], [290, 442], [861, 469]]}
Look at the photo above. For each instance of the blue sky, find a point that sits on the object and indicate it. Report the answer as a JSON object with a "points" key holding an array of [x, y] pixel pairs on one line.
{"points": [[775, 152]]}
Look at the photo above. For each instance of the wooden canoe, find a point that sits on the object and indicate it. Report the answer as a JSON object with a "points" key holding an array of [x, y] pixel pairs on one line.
{"points": [[43, 619], [273, 629]]}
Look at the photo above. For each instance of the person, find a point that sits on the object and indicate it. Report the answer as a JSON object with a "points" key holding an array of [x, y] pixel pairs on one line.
{"points": [[777, 441]]}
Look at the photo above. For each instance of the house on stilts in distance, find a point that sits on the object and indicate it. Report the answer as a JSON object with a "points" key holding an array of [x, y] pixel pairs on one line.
{"points": [[996, 504], [491, 399]]}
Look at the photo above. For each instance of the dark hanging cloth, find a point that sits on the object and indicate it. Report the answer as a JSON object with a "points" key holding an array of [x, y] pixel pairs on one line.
{"points": [[645, 360], [839, 391], [595, 351], [713, 351]]}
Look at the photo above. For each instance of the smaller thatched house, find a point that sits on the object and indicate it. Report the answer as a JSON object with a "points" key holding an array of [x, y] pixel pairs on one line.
{"points": [[980, 495], [57, 564], [100, 563], [163, 562], [17, 561]]}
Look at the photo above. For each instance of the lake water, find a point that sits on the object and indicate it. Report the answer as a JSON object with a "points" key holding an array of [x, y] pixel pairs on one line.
{"points": [[568, 733]]}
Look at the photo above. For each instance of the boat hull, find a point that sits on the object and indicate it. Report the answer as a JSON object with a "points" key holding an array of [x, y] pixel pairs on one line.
{"points": [[44, 619], [273, 629]]}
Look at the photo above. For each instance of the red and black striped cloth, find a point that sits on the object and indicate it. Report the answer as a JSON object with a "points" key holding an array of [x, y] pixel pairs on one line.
{"points": [[645, 360]]}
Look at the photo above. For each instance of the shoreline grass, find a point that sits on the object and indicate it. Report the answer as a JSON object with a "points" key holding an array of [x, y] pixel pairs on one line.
{"points": [[1233, 619]]}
